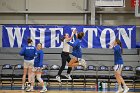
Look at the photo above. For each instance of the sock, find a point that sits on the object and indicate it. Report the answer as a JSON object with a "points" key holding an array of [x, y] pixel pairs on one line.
{"points": [[44, 87], [125, 86], [31, 87], [58, 75], [120, 87], [23, 85]]}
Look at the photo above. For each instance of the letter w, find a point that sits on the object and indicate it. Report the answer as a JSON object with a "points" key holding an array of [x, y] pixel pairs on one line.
{"points": [[16, 34]]}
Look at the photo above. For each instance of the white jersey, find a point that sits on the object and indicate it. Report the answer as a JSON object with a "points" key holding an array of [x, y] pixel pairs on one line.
{"points": [[66, 46]]}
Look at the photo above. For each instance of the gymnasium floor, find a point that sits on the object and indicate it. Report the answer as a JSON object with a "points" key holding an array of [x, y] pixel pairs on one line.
{"points": [[65, 88], [68, 91], [17, 89]]}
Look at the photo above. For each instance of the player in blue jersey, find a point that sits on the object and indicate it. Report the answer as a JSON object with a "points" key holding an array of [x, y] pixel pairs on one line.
{"points": [[37, 69], [118, 62], [29, 53], [77, 52]]}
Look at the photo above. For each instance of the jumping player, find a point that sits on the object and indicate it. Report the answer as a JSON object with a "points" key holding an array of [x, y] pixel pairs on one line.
{"points": [[77, 52], [37, 69], [65, 56], [29, 53], [118, 61]]}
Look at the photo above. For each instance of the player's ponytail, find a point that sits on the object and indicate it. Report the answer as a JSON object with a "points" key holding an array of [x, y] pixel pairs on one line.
{"points": [[29, 41], [80, 35], [120, 44], [62, 39]]}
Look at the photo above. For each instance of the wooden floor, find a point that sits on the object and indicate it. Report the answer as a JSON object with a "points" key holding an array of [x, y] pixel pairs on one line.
{"points": [[37, 91]]}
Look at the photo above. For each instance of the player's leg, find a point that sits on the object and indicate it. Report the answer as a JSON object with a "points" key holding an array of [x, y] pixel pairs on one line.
{"points": [[64, 58], [117, 72], [32, 81], [29, 74], [24, 75], [30, 68], [69, 69], [44, 89], [73, 62], [126, 89]]}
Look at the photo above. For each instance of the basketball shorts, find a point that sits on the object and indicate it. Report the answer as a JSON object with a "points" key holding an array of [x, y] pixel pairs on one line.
{"points": [[37, 69], [118, 67], [28, 63]]}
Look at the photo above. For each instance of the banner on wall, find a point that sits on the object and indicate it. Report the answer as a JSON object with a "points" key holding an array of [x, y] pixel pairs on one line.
{"points": [[49, 35]]}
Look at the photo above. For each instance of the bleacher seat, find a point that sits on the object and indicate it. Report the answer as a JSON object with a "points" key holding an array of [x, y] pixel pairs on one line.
{"points": [[52, 74], [91, 75], [137, 77], [78, 76], [128, 75], [103, 74], [17, 74], [45, 73], [7, 75]]}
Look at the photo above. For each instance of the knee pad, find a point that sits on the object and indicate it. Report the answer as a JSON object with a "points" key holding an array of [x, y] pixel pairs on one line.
{"points": [[38, 76]]}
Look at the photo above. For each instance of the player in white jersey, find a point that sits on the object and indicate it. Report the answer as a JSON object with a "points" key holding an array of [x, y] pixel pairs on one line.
{"points": [[65, 56]]}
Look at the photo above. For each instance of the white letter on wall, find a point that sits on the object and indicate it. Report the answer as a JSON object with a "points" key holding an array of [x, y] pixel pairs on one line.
{"points": [[17, 34], [103, 37], [90, 35], [127, 40], [54, 37], [42, 35]]}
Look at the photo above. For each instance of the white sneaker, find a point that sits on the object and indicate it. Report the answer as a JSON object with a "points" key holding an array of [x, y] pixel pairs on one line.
{"points": [[30, 90], [126, 89], [58, 78], [43, 90], [28, 87], [119, 90], [68, 76], [83, 62]]}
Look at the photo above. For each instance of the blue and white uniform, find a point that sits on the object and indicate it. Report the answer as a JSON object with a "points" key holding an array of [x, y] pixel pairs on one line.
{"points": [[118, 61], [38, 63], [29, 52], [77, 52]]}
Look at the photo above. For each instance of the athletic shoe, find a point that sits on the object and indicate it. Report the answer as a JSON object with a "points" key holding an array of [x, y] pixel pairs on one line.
{"points": [[119, 90], [30, 90], [68, 76], [58, 78], [126, 89], [28, 87], [83, 62], [43, 90]]}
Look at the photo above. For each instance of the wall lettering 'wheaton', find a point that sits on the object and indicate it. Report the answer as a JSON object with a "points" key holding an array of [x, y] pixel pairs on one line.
{"points": [[16, 35]]}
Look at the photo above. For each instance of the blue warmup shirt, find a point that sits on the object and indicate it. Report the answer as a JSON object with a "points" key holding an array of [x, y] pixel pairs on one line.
{"points": [[29, 52], [117, 55], [39, 59], [77, 52]]}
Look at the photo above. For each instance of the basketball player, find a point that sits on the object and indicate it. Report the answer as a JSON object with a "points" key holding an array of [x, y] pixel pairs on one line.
{"points": [[37, 69], [29, 53], [65, 56], [77, 52], [118, 61]]}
